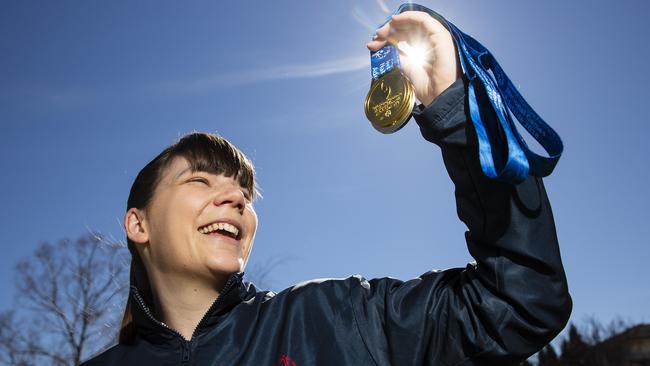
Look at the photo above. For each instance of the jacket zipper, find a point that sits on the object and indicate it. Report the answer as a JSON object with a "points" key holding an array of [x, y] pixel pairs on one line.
{"points": [[226, 289], [186, 344], [186, 352]]}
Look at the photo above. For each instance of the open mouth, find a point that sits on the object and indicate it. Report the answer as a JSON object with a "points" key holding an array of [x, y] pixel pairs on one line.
{"points": [[221, 228]]}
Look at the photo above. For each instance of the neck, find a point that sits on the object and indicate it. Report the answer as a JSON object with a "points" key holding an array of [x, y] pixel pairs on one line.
{"points": [[182, 305]]}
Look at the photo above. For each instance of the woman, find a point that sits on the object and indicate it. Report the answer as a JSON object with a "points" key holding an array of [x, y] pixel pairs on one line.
{"points": [[190, 224]]}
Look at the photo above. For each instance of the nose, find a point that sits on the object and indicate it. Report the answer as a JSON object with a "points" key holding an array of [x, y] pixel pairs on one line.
{"points": [[233, 196]]}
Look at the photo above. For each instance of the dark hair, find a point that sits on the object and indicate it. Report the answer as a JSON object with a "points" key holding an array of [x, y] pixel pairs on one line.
{"points": [[204, 152]]}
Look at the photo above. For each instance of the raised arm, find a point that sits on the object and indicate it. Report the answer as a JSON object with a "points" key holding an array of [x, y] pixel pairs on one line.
{"points": [[497, 310]]}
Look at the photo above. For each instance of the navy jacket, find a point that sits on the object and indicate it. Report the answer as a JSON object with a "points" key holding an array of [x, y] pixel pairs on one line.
{"points": [[498, 310]]}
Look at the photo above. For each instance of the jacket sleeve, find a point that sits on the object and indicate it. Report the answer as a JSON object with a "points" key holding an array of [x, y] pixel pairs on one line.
{"points": [[498, 310]]}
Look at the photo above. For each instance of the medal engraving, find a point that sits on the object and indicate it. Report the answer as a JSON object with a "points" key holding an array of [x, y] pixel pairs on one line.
{"points": [[384, 109], [389, 102]]}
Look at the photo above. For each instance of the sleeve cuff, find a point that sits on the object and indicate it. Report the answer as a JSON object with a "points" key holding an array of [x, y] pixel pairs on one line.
{"points": [[444, 122], [445, 103]]}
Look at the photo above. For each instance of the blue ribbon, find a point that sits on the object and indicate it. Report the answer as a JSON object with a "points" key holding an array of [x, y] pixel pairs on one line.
{"points": [[491, 103], [383, 60]]}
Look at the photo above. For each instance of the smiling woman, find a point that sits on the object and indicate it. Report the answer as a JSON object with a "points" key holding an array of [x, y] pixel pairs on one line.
{"points": [[190, 216], [191, 224]]}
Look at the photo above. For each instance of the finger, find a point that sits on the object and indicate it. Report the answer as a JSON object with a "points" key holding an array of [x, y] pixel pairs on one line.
{"points": [[418, 19], [385, 35], [376, 44], [394, 35], [409, 31], [389, 31]]}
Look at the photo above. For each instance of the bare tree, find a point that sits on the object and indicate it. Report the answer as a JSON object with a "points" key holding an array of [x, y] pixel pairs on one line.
{"points": [[259, 273], [11, 344], [547, 356], [595, 331], [70, 297], [595, 344]]}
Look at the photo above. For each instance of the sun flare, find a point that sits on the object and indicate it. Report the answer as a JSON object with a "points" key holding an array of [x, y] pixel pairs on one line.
{"points": [[418, 53]]}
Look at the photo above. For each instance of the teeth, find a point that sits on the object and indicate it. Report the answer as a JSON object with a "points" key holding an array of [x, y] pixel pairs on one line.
{"points": [[220, 226]]}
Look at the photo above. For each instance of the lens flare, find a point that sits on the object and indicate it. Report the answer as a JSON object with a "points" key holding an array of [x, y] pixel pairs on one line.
{"points": [[362, 18], [383, 7], [418, 53]]}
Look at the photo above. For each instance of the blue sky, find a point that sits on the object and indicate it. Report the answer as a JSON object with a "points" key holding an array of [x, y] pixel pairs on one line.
{"points": [[90, 91]]}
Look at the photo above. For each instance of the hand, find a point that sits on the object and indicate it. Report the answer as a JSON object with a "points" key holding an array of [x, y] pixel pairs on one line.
{"points": [[431, 71]]}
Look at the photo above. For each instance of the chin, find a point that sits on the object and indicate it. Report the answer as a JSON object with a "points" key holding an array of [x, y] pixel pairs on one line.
{"points": [[226, 266]]}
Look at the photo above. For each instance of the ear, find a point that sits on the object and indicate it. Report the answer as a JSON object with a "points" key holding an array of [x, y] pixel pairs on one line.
{"points": [[134, 225]]}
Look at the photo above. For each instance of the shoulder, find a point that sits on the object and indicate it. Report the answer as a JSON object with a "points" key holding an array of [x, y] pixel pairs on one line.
{"points": [[356, 287], [345, 287], [333, 288], [348, 284], [325, 284]]}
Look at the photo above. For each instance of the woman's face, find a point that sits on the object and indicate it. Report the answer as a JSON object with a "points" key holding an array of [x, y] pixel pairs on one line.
{"points": [[182, 239]]}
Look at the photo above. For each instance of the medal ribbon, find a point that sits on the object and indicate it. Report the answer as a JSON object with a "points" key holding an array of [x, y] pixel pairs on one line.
{"points": [[511, 160], [384, 60]]}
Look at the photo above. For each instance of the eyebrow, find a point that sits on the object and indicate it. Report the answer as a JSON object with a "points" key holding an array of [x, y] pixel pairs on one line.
{"points": [[181, 173], [248, 191]]}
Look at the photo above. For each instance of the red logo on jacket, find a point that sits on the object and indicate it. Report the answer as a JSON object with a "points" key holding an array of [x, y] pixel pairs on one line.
{"points": [[285, 360]]}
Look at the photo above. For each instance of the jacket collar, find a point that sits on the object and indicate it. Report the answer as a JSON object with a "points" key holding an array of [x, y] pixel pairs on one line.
{"points": [[153, 330]]}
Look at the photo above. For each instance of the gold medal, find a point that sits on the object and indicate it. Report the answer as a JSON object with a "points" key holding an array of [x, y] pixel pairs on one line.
{"points": [[390, 102]]}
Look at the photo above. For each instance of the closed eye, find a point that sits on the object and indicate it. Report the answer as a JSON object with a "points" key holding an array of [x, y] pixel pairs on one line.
{"points": [[200, 180]]}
